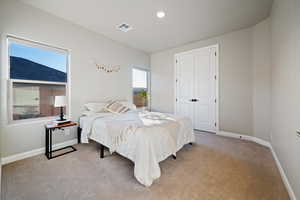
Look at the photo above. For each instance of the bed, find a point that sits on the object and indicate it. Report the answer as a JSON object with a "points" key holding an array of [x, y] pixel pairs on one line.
{"points": [[146, 138]]}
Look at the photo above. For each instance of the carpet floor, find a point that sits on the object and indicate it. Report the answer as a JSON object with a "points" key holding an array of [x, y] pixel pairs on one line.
{"points": [[215, 168]]}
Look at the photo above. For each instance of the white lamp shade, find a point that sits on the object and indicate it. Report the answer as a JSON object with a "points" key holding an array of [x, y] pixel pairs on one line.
{"points": [[60, 101]]}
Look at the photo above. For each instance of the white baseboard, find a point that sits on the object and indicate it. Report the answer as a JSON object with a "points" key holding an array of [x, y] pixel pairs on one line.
{"points": [[229, 134], [20, 156], [266, 144], [245, 137], [260, 141], [283, 176]]}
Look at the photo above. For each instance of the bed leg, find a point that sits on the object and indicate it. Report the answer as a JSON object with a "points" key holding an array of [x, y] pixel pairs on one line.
{"points": [[174, 157], [101, 151], [79, 134]]}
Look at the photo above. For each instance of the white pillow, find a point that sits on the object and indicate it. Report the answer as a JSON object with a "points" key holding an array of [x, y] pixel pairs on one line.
{"points": [[95, 107], [88, 113], [91, 114]]}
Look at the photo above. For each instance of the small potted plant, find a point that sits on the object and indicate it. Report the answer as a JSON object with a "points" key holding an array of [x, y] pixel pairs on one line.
{"points": [[144, 97]]}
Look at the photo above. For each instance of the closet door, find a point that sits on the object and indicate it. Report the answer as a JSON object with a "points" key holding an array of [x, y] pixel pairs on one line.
{"points": [[184, 85], [196, 87], [205, 89]]}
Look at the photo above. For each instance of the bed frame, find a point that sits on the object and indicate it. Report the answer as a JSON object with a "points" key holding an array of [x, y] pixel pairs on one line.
{"points": [[101, 146]]}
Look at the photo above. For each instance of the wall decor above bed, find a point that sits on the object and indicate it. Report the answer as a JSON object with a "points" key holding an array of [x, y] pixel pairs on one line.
{"points": [[108, 68]]}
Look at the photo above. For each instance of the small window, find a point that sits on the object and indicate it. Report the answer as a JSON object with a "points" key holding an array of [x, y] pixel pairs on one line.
{"points": [[141, 90], [37, 74]]}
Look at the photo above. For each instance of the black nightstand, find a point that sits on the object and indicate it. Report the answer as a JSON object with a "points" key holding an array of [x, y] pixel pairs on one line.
{"points": [[49, 130]]}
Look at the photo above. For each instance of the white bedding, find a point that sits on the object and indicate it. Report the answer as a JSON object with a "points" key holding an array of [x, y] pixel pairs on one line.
{"points": [[145, 138]]}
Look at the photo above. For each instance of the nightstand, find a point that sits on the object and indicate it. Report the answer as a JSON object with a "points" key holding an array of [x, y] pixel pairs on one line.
{"points": [[49, 132]]}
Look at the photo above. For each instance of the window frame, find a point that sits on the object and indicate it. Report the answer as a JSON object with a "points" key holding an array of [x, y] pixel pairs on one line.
{"points": [[9, 98], [148, 71]]}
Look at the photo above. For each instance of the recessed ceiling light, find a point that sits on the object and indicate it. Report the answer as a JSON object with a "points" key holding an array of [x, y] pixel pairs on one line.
{"points": [[160, 14]]}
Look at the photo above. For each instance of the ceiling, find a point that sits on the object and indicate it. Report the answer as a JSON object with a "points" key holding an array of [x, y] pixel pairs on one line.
{"points": [[185, 20]]}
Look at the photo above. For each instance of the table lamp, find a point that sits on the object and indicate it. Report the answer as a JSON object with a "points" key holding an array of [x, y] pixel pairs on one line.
{"points": [[60, 101]]}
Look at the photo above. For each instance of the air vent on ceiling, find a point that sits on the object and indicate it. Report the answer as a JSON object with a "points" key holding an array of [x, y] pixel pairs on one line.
{"points": [[124, 27]]}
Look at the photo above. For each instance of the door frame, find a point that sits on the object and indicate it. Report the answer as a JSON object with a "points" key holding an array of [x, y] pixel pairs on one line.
{"points": [[216, 46]]}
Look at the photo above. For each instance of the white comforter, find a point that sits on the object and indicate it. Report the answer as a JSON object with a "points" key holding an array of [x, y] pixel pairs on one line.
{"points": [[145, 138]]}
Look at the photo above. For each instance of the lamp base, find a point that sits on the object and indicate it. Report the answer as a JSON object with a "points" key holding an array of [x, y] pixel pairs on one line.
{"points": [[60, 120], [61, 115]]}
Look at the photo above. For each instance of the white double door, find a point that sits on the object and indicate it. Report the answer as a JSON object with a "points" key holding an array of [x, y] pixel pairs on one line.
{"points": [[196, 87]]}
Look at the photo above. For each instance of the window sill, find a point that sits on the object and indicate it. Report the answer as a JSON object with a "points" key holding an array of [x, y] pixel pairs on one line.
{"points": [[43, 121]]}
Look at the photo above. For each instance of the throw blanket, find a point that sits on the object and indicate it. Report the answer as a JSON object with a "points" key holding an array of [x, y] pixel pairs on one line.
{"points": [[89, 122], [146, 122]]}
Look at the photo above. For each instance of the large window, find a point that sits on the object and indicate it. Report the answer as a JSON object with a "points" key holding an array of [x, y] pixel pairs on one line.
{"points": [[37, 73], [141, 89]]}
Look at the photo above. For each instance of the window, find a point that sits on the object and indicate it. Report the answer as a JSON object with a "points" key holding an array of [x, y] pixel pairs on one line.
{"points": [[37, 73], [140, 85]]}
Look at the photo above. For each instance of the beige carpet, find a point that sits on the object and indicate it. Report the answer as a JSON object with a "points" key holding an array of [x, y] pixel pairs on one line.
{"points": [[216, 168]]}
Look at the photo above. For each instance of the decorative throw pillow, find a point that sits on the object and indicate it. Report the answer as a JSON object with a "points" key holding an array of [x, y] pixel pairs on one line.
{"points": [[128, 104], [116, 107]]}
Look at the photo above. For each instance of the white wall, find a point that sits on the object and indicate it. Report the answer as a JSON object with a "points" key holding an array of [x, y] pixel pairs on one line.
{"points": [[1, 128], [285, 29], [87, 83], [244, 79], [262, 80], [235, 79]]}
